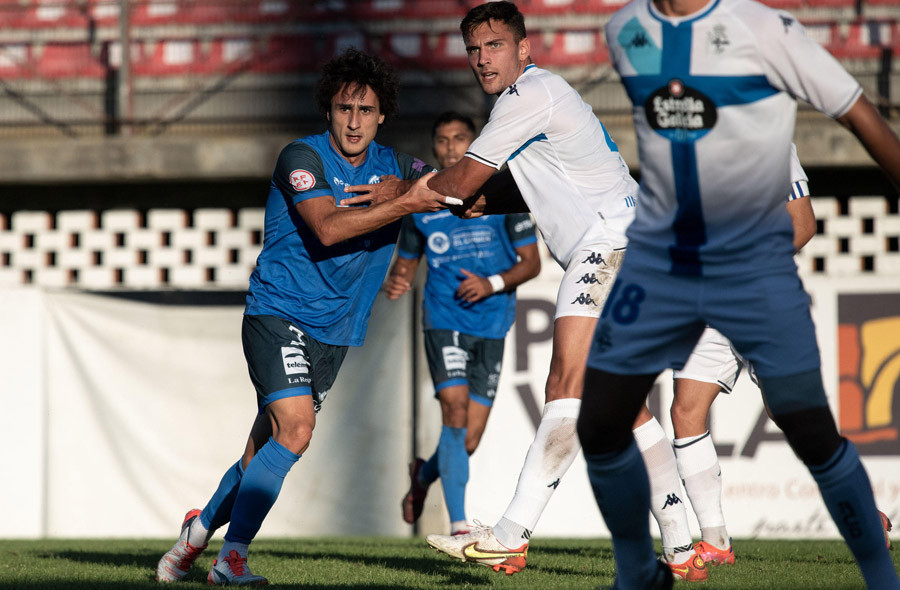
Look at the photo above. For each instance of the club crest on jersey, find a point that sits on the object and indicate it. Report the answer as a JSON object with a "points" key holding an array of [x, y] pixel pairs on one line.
{"points": [[439, 242], [679, 112], [302, 180], [717, 39]]}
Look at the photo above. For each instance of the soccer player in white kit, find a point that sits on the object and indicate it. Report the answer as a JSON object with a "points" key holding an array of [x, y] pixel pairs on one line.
{"points": [[582, 197], [713, 86]]}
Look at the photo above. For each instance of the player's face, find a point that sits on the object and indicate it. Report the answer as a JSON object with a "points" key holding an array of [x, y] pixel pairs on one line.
{"points": [[354, 119], [494, 56], [451, 140]]}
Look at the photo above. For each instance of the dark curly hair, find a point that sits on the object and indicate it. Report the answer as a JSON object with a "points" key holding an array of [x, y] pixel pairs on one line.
{"points": [[504, 12], [355, 68]]}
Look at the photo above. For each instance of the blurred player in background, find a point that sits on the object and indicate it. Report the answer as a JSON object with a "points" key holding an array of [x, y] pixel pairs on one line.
{"points": [[474, 267], [310, 296], [714, 88], [713, 366]]}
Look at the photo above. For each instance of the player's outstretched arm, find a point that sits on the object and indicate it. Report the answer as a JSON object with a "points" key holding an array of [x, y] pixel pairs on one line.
{"points": [[389, 188], [401, 277], [333, 224], [876, 136]]}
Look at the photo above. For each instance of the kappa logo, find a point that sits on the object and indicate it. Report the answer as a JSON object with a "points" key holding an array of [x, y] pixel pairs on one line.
{"points": [[671, 500], [640, 39], [513, 90], [302, 180], [554, 484], [584, 299], [588, 279], [595, 258], [787, 22]]}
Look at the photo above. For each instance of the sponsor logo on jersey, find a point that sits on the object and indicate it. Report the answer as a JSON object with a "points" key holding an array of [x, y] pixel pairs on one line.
{"points": [[679, 112], [438, 242], [869, 371], [523, 225], [302, 180], [717, 39], [426, 219], [295, 360]]}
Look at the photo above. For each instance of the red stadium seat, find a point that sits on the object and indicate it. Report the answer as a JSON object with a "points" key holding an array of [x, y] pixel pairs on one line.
{"points": [[427, 9], [832, 3], [784, 4], [166, 57], [569, 48], [863, 40], [599, 6], [826, 33], [207, 12], [68, 60], [15, 61], [286, 53], [448, 53], [153, 13], [378, 9], [547, 7]]}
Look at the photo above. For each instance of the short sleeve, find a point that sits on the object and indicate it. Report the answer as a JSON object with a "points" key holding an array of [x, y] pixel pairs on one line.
{"points": [[520, 227], [799, 180], [411, 167], [411, 243], [800, 66], [519, 116], [300, 174]]}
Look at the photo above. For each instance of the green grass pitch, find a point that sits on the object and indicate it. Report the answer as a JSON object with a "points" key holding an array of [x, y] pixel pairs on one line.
{"points": [[391, 563]]}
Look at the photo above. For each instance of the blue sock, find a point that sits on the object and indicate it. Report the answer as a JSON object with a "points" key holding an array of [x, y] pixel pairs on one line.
{"points": [[848, 496], [622, 490], [429, 473], [258, 491], [217, 511], [453, 462]]}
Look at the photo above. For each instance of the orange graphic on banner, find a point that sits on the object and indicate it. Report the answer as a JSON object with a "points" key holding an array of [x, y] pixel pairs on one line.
{"points": [[869, 374]]}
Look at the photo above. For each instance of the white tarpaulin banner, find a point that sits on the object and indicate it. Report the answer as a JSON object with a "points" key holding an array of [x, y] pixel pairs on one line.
{"points": [[119, 416]]}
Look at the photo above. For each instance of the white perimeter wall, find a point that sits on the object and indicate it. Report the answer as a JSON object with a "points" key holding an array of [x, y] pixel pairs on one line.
{"points": [[117, 416]]}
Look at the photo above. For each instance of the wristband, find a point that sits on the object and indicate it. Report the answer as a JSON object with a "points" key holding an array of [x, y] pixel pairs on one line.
{"points": [[496, 282]]}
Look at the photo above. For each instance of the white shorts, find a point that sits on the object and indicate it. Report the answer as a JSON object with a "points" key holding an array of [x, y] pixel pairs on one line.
{"points": [[713, 360], [587, 281]]}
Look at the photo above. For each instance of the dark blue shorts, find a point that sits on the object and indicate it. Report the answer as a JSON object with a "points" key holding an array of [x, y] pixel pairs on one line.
{"points": [[285, 362], [461, 359]]}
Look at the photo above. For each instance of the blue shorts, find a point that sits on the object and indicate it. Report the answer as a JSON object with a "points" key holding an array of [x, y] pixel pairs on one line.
{"points": [[652, 320], [460, 359], [286, 362]]}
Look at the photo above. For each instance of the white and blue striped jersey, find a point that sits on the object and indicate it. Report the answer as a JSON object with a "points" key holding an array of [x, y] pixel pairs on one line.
{"points": [[714, 107], [566, 166]]}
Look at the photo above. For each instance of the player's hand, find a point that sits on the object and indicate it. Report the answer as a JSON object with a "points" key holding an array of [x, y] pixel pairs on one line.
{"points": [[473, 288], [471, 208], [389, 188], [421, 198], [396, 286]]}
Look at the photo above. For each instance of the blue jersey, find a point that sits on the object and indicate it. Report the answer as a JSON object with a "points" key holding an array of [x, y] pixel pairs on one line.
{"points": [[484, 246], [714, 105], [327, 291]]}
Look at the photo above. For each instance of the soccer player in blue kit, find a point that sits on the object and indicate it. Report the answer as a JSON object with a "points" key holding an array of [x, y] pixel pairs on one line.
{"points": [[713, 84], [310, 297], [474, 267]]}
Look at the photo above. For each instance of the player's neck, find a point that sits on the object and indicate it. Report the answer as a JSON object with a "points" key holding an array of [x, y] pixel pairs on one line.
{"points": [[678, 8]]}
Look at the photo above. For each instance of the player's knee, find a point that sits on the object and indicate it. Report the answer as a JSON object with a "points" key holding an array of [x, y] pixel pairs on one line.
{"points": [[455, 413], [609, 406], [812, 434], [296, 438], [687, 418]]}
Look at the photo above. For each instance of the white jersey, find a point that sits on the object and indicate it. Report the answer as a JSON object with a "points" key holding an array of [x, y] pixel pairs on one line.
{"points": [[565, 164], [714, 110]]}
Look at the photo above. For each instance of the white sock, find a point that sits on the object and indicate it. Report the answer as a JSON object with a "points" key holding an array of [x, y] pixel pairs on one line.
{"points": [[198, 536], [458, 525], [666, 502], [230, 546], [554, 448], [698, 465]]}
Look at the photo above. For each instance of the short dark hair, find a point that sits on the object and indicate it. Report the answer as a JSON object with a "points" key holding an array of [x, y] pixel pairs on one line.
{"points": [[504, 12], [449, 117], [354, 68]]}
